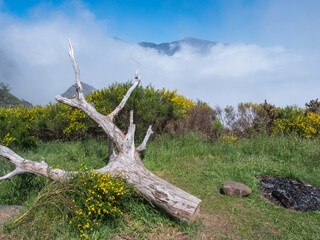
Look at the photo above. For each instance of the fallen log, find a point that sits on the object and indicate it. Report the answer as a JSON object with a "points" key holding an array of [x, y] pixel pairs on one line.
{"points": [[127, 162]]}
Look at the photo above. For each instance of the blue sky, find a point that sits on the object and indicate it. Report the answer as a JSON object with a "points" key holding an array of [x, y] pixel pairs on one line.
{"points": [[156, 21], [273, 22], [270, 49]]}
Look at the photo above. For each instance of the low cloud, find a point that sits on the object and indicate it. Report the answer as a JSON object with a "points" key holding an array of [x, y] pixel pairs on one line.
{"points": [[34, 61]]}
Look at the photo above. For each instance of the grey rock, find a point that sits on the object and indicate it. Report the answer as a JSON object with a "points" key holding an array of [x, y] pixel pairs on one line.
{"points": [[235, 189]]}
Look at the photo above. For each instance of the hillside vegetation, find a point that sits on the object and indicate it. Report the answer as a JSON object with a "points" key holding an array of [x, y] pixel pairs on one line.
{"points": [[8, 100], [160, 108]]}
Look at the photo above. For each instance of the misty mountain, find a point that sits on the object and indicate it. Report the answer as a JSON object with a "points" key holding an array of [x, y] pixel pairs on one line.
{"points": [[9, 100], [202, 46], [87, 90]]}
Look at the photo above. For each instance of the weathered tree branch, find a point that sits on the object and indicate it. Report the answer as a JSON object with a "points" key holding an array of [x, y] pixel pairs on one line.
{"points": [[79, 88], [120, 106], [110, 147], [127, 162], [126, 97], [104, 122], [142, 147], [10, 175], [28, 166]]}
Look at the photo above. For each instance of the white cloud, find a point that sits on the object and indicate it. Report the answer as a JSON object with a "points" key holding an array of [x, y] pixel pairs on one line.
{"points": [[36, 51]]}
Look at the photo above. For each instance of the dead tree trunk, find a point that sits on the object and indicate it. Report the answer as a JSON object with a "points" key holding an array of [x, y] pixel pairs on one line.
{"points": [[127, 162]]}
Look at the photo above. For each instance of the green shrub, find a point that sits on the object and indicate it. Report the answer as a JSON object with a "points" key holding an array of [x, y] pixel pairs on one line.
{"points": [[313, 106], [246, 120], [15, 127], [150, 106], [85, 202], [249, 119], [297, 121], [97, 198], [24, 127]]}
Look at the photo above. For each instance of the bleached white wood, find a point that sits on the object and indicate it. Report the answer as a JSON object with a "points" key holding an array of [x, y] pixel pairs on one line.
{"points": [[142, 147], [28, 166], [79, 89], [126, 97]]}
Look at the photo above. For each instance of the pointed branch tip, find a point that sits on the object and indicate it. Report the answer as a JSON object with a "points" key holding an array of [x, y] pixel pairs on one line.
{"points": [[142, 147], [71, 53], [138, 75], [126, 97]]}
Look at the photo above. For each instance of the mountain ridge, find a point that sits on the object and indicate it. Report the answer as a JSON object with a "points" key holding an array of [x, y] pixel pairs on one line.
{"points": [[71, 91], [170, 48], [9, 100]]}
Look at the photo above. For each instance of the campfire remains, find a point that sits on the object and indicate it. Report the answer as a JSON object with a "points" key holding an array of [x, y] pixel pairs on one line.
{"points": [[291, 194]]}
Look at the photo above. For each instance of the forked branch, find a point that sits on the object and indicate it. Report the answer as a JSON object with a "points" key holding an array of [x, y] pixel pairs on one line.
{"points": [[142, 147], [126, 97], [28, 166], [120, 106]]}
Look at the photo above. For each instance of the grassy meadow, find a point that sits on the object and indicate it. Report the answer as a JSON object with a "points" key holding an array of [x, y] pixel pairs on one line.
{"points": [[193, 163]]}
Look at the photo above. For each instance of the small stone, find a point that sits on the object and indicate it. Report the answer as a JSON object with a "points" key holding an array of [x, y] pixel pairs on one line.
{"points": [[235, 189]]}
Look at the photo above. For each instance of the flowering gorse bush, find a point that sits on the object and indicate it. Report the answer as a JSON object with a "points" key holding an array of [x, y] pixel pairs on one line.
{"points": [[84, 203], [183, 106], [151, 106], [230, 139], [255, 118], [297, 121], [7, 139], [98, 198], [23, 126], [15, 127]]}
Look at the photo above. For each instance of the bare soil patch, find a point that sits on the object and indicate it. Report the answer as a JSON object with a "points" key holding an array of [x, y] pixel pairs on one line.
{"points": [[215, 227], [7, 212]]}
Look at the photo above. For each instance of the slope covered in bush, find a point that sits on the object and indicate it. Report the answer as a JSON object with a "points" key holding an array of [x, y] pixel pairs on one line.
{"points": [[165, 110], [22, 126], [9, 100], [249, 119]]}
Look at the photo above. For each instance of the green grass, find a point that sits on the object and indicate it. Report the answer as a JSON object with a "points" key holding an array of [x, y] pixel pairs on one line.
{"points": [[199, 167]]}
